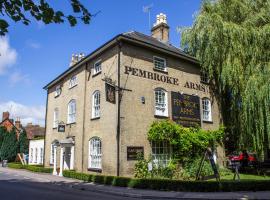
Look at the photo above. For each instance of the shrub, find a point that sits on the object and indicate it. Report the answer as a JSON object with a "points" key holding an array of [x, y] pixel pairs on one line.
{"points": [[120, 181], [9, 148], [108, 180], [190, 169], [98, 179]]}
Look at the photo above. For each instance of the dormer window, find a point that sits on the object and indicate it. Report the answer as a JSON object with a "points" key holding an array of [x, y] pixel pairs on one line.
{"points": [[57, 91], [73, 81], [97, 67], [159, 63]]}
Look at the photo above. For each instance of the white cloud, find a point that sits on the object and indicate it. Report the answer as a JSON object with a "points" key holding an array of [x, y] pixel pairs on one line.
{"points": [[8, 55], [33, 44], [27, 114], [18, 77]]}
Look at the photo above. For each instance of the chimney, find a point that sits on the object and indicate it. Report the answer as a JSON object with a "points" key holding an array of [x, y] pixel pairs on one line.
{"points": [[161, 29], [5, 115], [18, 123], [76, 58]]}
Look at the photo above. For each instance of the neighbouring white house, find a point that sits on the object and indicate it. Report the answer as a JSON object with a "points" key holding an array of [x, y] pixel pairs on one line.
{"points": [[36, 152]]}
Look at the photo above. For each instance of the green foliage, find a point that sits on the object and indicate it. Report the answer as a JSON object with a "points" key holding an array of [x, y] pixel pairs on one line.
{"points": [[23, 142], [33, 168], [141, 168], [186, 142], [3, 131], [20, 10], [190, 169], [173, 185], [9, 146], [230, 38]]}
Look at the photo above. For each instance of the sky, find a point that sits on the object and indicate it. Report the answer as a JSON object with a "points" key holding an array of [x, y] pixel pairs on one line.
{"points": [[31, 56]]}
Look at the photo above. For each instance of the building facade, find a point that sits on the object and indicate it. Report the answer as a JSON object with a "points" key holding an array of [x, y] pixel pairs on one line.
{"points": [[100, 109], [36, 152]]}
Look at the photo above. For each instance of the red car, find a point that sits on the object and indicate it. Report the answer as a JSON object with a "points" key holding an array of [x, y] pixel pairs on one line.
{"points": [[252, 160]]}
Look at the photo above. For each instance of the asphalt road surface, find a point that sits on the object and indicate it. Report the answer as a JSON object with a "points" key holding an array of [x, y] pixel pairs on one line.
{"points": [[19, 187]]}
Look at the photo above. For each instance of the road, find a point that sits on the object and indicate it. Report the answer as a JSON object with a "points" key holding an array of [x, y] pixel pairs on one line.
{"points": [[20, 187]]}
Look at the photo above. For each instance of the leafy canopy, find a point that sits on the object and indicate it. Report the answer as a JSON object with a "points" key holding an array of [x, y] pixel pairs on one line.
{"points": [[187, 143], [21, 10], [231, 40]]}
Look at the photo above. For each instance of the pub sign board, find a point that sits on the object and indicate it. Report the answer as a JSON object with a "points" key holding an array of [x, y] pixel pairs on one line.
{"points": [[132, 152], [110, 93], [186, 109], [61, 128]]}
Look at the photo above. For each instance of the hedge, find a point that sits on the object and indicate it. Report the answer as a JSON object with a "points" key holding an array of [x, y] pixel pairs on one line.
{"points": [[158, 184], [33, 168], [172, 185]]}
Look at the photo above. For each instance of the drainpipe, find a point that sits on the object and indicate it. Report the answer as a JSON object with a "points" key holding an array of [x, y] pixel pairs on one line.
{"points": [[44, 152], [118, 108], [84, 110]]}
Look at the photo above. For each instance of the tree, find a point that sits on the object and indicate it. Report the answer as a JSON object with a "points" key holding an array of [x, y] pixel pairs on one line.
{"points": [[230, 38], [23, 142], [2, 135], [20, 10], [9, 146]]}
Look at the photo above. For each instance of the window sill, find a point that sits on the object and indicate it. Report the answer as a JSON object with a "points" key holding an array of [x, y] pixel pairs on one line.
{"points": [[161, 116], [96, 74], [95, 118], [72, 86], [208, 122], [54, 128], [95, 170], [55, 96], [159, 70]]}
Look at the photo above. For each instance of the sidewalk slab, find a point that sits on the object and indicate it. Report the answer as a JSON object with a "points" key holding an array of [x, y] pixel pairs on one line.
{"points": [[135, 193]]}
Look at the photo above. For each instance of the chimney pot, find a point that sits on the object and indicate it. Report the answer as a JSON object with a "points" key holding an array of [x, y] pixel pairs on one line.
{"points": [[160, 29]]}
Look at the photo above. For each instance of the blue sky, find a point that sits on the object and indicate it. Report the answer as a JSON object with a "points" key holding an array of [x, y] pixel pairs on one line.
{"points": [[34, 55]]}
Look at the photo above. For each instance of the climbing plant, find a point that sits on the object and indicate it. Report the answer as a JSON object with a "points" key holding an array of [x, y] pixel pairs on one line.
{"points": [[230, 38], [23, 142], [187, 143]]}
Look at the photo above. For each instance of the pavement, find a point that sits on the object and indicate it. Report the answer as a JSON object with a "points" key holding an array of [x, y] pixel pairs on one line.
{"points": [[65, 188]]}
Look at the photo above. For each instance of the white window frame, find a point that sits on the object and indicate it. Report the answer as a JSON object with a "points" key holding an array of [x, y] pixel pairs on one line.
{"points": [[204, 77], [52, 154], [36, 155], [73, 81], [57, 91], [157, 63], [161, 102], [31, 155], [206, 110], [97, 67], [161, 153], [71, 118], [41, 156], [96, 104], [95, 153], [55, 117]]}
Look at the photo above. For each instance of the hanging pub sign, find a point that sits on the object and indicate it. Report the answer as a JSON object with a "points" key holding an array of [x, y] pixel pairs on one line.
{"points": [[186, 109], [61, 127], [133, 152], [110, 93]]}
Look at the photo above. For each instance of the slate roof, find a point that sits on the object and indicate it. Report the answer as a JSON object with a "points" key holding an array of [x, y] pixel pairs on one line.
{"points": [[155, 42]]}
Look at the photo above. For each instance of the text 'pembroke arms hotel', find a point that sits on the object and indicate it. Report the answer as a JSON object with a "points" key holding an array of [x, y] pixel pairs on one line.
{"points": [[100, 109]]}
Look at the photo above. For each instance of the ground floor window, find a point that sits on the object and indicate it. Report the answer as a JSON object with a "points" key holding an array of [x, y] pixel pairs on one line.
{"points": [[52, 154], [95, 156], [161, 153]]}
